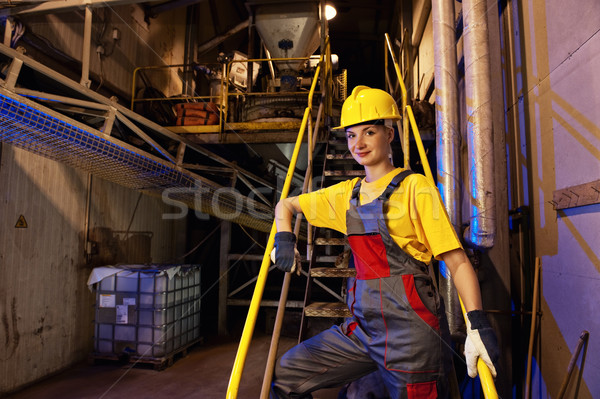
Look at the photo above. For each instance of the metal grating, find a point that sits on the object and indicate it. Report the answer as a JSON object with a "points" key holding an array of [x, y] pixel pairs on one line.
{"points": [[30, 126]]}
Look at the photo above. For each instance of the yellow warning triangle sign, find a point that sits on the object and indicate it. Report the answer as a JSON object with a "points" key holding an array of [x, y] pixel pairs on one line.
{"points": [[21, 223]]}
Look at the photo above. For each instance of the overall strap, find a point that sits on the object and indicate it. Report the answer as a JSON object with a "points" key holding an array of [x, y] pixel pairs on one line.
{"points": [[396, 181], [355, 192]]}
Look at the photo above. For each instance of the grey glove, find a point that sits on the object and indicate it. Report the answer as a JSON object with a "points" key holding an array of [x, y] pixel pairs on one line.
{"points": [[481, 342]]}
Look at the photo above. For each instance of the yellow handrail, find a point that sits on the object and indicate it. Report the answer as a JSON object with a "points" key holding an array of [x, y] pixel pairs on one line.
{"points": [[154, 67], [404, 101], [240, 359], [485, 375]]}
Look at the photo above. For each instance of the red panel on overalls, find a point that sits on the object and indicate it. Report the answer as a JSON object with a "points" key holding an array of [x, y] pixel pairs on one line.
{"points": [[417, 304], [422, 390], [369, 256]]}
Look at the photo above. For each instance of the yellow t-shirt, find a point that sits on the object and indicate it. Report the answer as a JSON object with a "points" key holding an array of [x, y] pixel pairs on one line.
{"points": [[416, 217]]}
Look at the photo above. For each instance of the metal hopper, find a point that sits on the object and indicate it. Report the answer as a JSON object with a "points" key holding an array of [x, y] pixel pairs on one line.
{"points": [[289, 29]]}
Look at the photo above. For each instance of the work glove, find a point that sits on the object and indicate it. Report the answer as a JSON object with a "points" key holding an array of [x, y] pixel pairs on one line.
{"points": [[481, 342], [285, 255]]}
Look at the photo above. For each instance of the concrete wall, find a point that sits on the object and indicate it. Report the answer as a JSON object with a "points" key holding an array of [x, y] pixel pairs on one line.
{"points": [[552, 62], [46, 309], [544, 60], [142, 42]]}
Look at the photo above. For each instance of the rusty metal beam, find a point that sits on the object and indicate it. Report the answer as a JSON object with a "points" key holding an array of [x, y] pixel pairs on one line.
{"points": [[580, 195]]}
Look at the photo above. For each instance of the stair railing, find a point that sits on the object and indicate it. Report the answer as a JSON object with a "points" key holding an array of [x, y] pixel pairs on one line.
{"points": [[240, 359], [485, 375]]}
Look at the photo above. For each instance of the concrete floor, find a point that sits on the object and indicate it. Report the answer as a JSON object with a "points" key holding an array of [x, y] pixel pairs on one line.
{"points": [[203, 373]]}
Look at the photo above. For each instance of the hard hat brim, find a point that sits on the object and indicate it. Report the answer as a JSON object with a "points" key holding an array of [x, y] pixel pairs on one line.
{"points": [[371, 122]]}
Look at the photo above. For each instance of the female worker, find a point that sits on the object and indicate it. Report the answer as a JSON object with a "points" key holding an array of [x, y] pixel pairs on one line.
{"points": [[395, 223]]}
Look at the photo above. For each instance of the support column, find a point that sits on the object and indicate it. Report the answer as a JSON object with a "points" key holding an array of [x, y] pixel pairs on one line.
{"points": [[224, 247], [87, 43]]}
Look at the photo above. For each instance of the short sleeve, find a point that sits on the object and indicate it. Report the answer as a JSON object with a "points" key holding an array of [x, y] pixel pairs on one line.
{"points": [[430, 220], [327, 207]]}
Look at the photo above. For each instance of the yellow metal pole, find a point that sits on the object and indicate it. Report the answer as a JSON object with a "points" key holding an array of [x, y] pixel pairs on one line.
{"points": [[404, 101], [420, 147], [240, 359], [485, 375]]}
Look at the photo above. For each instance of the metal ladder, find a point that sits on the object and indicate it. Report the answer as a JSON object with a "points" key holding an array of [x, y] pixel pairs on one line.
{"points": [[329, 256]]}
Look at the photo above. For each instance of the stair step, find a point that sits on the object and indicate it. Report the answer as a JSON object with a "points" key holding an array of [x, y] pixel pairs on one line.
{"points": [[327, 309], [338, 143], [326, 259], [345, 173], [338, 133], [337, 157], [332, 272], [330, 241]]}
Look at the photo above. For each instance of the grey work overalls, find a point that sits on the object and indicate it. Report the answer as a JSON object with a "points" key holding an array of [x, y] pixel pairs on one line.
{"points": [[397, 326]]}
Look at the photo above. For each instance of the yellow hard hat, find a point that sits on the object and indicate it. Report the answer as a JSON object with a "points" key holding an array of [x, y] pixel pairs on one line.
{"points": [[367, 104]]}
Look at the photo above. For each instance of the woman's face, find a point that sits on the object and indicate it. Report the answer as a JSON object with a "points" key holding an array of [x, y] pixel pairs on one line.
{"points": [[370, 144]]}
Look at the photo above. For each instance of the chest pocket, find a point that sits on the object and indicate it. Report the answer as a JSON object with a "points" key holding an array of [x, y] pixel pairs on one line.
{"points": [[370, 257]]}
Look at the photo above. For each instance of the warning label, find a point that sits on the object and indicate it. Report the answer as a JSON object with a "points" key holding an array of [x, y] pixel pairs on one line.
{"points": [[21, 223]]}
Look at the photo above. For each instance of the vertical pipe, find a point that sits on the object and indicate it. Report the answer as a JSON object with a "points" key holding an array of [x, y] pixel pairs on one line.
{"points": [[87, 43], [87, 246], [532, 330], [583, 339], [482, 227], [224, 247], [448, 141], [8, 27], [250, 65]]}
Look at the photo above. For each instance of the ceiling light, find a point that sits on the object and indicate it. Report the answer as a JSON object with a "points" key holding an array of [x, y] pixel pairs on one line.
{"points": [[330, 11]]}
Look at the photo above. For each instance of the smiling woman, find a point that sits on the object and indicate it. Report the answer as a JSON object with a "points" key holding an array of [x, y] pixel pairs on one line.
{"points": [[370, 147], [398, 326]]}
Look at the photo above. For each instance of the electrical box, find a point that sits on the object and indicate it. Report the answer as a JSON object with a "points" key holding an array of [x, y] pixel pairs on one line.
{"points": [[239, 70]]}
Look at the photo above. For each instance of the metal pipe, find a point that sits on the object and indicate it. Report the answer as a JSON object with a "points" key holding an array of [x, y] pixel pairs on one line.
{"points": [[482, 227], [448, 141], [532, 330], [87, 250], [8, 27], [87, 43], [271, 68], [583, 339]]}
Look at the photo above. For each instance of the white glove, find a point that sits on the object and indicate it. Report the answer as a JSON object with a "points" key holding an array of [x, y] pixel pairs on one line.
{"points": [[481, 342]]}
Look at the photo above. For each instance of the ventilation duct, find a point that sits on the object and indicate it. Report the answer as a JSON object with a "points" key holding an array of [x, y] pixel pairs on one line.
{"points": [[448, 142], [482, 227]]}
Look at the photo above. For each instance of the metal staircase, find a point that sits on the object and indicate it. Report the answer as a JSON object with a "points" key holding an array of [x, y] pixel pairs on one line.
{"points": [[330, 262]]}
